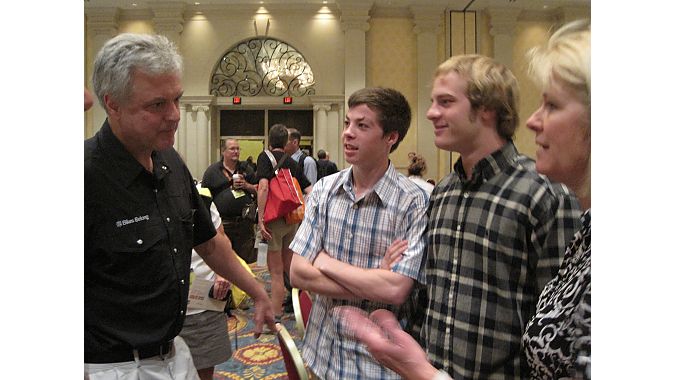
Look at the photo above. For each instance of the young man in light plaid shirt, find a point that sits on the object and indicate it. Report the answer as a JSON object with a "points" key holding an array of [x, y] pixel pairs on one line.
{"points": [[351, 219]]}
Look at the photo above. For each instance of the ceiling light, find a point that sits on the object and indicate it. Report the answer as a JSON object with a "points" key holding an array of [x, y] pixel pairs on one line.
{"points": [[196, 3]]}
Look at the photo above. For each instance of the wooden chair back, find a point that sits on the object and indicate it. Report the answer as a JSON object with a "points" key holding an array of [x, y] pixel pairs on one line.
{"points": [[293, 361]]}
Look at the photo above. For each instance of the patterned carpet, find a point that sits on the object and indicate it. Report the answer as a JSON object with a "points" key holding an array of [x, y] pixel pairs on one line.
{"points": [[252, 358]]}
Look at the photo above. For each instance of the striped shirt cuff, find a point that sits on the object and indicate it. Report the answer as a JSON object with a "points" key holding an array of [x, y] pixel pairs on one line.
{"points": [[441, 375]]}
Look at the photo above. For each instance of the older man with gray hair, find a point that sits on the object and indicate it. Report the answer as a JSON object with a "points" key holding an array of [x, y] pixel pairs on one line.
{"points": [[143, 215]]}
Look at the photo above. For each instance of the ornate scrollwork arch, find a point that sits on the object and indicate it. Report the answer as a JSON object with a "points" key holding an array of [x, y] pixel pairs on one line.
{"points": [[262, 66]]}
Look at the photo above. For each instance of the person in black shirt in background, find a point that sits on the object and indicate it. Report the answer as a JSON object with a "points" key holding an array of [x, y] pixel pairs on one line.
{"points": [[143, 215], [230, 182], [324, 165]]}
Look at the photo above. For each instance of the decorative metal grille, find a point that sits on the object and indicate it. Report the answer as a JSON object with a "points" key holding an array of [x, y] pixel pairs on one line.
{"points": [[262, 66]]}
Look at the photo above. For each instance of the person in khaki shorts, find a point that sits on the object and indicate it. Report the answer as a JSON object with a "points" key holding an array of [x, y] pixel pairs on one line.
{"points": [[277, 233]]}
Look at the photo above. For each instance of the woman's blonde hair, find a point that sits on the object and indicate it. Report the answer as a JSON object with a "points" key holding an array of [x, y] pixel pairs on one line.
{"points": [[567, 58]]}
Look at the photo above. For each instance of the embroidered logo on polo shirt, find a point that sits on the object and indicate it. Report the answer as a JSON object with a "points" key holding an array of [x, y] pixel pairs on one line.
{"points": [[124, 222]]}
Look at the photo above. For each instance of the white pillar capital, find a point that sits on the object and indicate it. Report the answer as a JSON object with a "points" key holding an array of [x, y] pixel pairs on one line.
{"points": [[102, 21], [427, 19], [355, 14], [354, 24], [168, 18], [200, 108], [321, 107]]}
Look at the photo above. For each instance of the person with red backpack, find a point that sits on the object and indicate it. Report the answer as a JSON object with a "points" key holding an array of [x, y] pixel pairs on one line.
{"points": [[277, 233]]}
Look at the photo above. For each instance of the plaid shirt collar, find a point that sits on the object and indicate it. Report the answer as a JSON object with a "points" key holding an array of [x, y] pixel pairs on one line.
{"points": [[488, 166], [382, 191]]}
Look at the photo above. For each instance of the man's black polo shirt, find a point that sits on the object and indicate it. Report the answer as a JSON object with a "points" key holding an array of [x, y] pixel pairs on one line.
{"points": [[139, 232]]}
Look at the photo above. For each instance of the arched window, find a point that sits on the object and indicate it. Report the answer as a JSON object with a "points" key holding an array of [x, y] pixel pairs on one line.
{"points": [[262, 66]]}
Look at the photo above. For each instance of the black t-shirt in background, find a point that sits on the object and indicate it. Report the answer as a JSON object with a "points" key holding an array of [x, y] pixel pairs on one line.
{"points": [[220, 187], [265, 168]]}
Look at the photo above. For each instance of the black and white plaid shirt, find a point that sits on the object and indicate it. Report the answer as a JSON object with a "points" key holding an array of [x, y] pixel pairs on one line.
{"points": [[494, 241]]}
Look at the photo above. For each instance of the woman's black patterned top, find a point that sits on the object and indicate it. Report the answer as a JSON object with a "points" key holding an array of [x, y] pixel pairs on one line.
{"points": [[557, 341]]}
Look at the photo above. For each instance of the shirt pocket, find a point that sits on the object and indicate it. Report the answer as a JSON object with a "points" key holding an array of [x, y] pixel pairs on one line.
{"points": [[137, 239], [141, 255]]}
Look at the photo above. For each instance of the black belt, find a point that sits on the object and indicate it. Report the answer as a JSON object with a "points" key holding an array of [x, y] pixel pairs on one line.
{"points": [[127, 356]]}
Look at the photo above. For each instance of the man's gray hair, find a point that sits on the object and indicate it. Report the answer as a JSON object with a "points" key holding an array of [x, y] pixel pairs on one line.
{"points": [[120, 56]]}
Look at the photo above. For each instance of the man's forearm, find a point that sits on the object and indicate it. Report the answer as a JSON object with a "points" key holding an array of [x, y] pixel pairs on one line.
{"points": [[305, 276], [219, 256], [373, 284]]}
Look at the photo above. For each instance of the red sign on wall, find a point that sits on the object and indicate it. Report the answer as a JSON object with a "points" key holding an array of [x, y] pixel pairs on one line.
{"points": [[288, 100]]}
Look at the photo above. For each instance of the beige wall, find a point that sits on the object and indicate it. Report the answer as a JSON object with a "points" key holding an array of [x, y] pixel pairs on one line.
{"points": [[206, 38], [391, 55], [391, 62], [527, 35]]}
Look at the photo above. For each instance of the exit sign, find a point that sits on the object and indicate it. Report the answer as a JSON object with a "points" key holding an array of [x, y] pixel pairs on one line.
{"points": [[236, 100], [288, 100]]}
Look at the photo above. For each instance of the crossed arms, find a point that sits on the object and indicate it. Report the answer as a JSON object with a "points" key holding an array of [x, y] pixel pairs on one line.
{"points": [[337, 279]]}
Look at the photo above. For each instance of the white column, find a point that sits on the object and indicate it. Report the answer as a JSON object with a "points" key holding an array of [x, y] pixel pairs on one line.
{"points": [[168, 19], [334, 145], [102, 25], [181, 134], [354, 21], [427, 22], [190, 138], [322, 126], [503, 23], [202, 140]]}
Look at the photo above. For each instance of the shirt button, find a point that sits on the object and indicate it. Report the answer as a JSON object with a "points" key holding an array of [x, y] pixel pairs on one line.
{"points": [[175, 250], [455, 261], [182, 282], [155, 190], [181, 312], [139, 241], [466, 195], [448, 330], [168, 219], [164, 167], [458, 227], [355, 206]]}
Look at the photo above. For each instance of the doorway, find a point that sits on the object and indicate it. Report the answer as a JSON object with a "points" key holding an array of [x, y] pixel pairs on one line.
{"points": [[250, 128]]}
